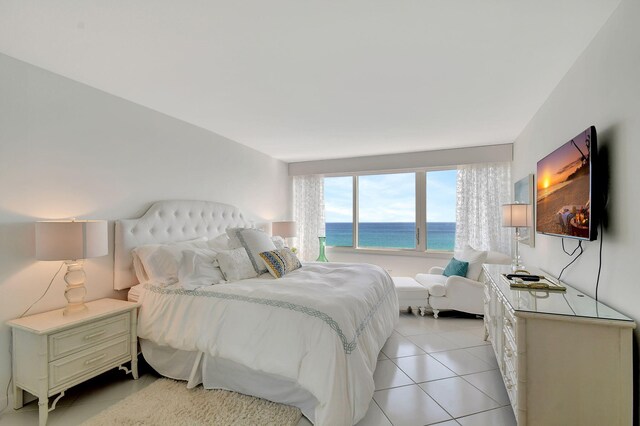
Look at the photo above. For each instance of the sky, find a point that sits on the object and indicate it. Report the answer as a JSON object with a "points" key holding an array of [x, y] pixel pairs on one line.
{"points": [[390, 197]]}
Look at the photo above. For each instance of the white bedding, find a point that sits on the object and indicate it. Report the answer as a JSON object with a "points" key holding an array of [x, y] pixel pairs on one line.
{"points": [[321, 326]]}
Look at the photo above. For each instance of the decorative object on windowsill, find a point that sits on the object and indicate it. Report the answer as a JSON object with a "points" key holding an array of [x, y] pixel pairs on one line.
{"points": [[322, 240], [517, 216], [323, 243], [72, 241], [286, 229]]}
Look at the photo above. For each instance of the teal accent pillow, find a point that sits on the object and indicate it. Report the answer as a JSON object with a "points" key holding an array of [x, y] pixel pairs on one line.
{"points": [[456, 267]]}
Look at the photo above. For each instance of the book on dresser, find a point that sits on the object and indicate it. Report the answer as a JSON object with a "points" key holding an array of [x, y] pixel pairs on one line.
{"points": [[565, 358]]}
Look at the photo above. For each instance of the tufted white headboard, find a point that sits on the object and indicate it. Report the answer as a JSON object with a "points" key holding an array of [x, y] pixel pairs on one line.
{"points": [[168, 221]]}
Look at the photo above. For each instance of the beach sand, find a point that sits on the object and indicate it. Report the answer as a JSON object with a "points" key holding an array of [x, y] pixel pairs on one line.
{"points": [[577, 192]]}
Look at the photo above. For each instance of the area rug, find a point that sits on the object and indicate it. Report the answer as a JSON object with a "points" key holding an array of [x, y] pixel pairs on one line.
{"points": [[169, 402]]}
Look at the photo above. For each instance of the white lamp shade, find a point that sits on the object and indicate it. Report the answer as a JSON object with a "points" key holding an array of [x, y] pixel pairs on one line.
{"points": [[516, 215], [71, 240], [286, 229]]}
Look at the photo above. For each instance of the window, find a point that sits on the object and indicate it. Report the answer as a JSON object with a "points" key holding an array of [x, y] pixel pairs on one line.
{"points": [[338, 211], [392, 210], [441, 210], [387, 210]]}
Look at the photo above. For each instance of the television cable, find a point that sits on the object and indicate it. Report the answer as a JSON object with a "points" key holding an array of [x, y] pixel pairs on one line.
{"points": [[579, 246]]}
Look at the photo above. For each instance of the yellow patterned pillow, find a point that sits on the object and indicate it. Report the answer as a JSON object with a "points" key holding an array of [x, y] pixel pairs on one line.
{"points": [[280, 262]]}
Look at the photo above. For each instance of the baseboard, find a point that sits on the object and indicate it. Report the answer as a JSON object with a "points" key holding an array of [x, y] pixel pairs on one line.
{"points": [[26, 398]]}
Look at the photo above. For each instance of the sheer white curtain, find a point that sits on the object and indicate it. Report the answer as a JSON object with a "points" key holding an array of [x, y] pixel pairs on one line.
{"points": [[308, 212], [481, 190]]}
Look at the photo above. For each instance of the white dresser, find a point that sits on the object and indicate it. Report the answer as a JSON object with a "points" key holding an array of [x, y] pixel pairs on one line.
{"points": [[52, 352], [565, 359]]}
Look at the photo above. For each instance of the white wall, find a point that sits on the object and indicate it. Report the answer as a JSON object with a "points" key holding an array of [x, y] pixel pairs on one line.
{"points": [[602, 88], [68, 150]]}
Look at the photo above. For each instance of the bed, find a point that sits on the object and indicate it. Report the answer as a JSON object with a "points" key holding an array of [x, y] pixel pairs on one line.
{"points": [[309, 339]]}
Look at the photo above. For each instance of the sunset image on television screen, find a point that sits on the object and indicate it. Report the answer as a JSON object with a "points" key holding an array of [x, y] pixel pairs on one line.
{"points": [[563, 185]]}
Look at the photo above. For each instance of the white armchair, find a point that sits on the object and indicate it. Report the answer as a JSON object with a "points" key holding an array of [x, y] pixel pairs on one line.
{"points": [[455, 292]]}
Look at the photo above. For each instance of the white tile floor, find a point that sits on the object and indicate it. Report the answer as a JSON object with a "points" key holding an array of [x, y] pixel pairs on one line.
{"points": [[429, 372], [452, 372]]}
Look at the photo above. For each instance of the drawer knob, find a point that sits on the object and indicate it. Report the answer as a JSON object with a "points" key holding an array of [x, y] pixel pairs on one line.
{"points": [[509, 353], [92, 360], [509, 383], [94, 335]]}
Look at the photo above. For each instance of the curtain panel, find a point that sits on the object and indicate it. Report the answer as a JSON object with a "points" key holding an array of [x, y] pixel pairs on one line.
{"points": [[308, 212], [481, 191]]}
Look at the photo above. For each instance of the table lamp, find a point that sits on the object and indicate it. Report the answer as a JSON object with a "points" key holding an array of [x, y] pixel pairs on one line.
{"points": [[72, 241], [516, 216], [285, 229]]}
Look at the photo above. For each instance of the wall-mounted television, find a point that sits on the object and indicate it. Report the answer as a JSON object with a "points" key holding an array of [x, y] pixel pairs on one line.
{"points": [[567, 203]]}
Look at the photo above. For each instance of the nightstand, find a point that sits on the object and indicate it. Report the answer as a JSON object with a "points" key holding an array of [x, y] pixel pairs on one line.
{"points": [[52, 352]]}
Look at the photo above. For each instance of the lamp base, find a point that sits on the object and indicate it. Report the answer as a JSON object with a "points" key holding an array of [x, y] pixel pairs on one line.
{"points": [[73, 309], [516, 262], [517, 267], [75, 291]]}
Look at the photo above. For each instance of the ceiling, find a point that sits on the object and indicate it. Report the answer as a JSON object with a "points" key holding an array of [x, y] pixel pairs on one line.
{"points": [[317, 79]]}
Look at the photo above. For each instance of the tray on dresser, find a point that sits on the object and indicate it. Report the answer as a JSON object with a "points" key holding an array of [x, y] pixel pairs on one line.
{"points": [[544, 284]]}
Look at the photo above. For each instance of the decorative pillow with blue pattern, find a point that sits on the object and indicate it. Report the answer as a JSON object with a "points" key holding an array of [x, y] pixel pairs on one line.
{"points": [[280, 262]]}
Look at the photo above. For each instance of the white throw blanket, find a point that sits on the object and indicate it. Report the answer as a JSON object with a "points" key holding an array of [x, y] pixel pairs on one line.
{"points": [[321, 326]]}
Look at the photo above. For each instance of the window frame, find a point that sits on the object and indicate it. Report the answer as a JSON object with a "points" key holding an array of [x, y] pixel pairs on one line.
{"points": [[421, 215]]}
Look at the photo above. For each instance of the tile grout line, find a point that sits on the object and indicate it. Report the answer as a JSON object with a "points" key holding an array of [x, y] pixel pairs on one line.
{"points": [[461, 376], [426, 381], [480, 412], [381, 410], [466, 415], [434, 400], [497, 402]]}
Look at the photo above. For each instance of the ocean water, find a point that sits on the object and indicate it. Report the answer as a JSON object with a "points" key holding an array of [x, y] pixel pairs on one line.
{"points": [[440, 235]]}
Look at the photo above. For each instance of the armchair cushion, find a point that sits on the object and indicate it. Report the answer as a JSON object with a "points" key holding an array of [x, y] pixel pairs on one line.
{"points": [[436, 270], [435, 283], [475, 258], [456, 267]]}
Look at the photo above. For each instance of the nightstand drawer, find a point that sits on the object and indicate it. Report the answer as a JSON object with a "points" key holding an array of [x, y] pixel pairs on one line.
{"points": [[72, 367], [79, 338]]}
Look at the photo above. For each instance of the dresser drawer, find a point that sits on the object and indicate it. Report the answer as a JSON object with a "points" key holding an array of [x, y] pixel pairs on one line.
{"points": [[71, 341], [509, 324], [487, 294], [511, 381], [72, 367], [510, 350]]}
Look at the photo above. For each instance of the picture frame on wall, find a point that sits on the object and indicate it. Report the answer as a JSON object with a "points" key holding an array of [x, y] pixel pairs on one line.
{"points": [[523, 193]]}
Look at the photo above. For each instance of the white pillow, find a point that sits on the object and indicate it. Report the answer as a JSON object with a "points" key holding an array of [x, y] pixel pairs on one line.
{"points": [[198, 269], [255, 242], [475, 258], [159, 262], [221, 242], [235, 264], [138, 268], [234, 241]]}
